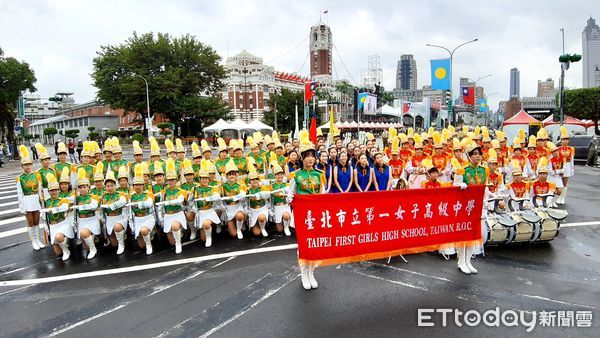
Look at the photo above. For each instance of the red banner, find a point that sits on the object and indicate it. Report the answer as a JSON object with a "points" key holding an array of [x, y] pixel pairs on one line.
{"points": [[344, 228]]}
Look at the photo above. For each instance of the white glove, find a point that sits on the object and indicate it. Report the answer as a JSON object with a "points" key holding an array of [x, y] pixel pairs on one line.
{"points": [[140, 205], [53, 210], [463, 186], [265, 183], [223, 179], [112, 206], [289, 198], [265, 194]]}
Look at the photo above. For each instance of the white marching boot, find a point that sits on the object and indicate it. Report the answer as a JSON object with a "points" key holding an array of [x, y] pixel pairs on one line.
{"points": [[286, 228], [468, 255], [148, 242], [238, 226], [311, 277], [304, 277], [177, 237], [462, 262], [563, 196], [64, 246], [121, 241], [90, 243], [34, 242], [39, 234], [208, 235], [192, 231], [263, 231], [218, 228]]}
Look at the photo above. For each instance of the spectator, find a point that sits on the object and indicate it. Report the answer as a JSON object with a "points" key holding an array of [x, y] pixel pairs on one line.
{"points": [[56, 148], [11, 150], [33, 150], [71, 147], [79, 149]]}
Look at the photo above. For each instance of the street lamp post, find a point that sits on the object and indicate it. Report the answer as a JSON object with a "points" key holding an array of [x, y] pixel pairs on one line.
{"points": [[475, 92], [451, 52], [149, 121]]}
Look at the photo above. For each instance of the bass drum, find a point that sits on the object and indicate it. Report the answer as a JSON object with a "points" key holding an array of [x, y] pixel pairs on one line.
{"points": [[549, 228], [524, 231], [497, 233]]}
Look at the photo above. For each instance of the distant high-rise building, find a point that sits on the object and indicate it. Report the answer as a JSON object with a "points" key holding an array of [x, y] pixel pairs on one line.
{"points": [[546, 88], [406, 73], [515, 83], [321, 44], [590, 39]]}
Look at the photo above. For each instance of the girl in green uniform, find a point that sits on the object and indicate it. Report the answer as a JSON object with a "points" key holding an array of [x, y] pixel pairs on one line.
{"points": [[28, 194], [56, 214]]}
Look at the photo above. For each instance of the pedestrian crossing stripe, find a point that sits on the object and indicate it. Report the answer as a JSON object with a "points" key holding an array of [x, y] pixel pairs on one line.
{"points": [[9, 211]]}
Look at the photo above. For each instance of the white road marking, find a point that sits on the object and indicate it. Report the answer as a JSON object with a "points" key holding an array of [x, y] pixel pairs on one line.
{"points": [[10, 211], [8, 203], [9, 221], [558, 301], [8, 197], [415, 273], [13, 232], [253, 305], [8, 186], [56, 333], [567, 225], [389, 281], [12, 192], [146, 266]]}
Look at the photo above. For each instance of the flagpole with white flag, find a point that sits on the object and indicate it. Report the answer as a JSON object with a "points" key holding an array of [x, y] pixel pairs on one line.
{"points": [[296, 131]]}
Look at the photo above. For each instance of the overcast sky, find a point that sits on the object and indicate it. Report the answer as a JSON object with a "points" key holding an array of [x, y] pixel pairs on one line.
{"points": [[59, 38]]}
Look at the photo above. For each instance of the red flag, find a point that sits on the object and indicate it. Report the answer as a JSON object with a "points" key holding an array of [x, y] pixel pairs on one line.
{"points": [[312, 132], [406, 107], [468, 94], [309, 91]]}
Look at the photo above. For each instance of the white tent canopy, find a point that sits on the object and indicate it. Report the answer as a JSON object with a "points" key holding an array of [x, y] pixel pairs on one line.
{"points": [[220, 125], [257, 125]]}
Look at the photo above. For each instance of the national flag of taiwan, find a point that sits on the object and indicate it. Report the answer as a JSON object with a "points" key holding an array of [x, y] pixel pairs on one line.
{"points": [[468, 94], [309, 90], [312, 132], [406, 107]]}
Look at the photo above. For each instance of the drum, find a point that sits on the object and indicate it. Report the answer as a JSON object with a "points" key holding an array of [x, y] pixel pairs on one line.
{"points": [[549, 227], [524, 231], [497, 233]]}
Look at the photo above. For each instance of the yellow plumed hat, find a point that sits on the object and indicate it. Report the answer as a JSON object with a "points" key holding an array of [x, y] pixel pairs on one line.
{"points": [[42, 152], [171, 173], [251, 143], [25, 156], [418, 141], [516, 143], [551, 146], [258, 137], [145, 168], [186, 166], [179, 145], [108, 145], [205, 146], [542, 166], [268, 140], [52, 183], [456, 144], [232, 144], [274, 164], [395, 149], [87, 148], [500, 135], [138, 173], [82, 177], [532, 141], [158, 168], [62, 148], [116, 147], [305, 143], [564, 133], [230, 166], [252, 173], [169, 146], [222, 146], [110, 176], [522, 136], [437, 139], [96, 148], [204, 167], [137, 150], [154, 147], [495, 144], [456, 166], [477, 131], [427, 164], [516, 167], [370, 136], [392, 132], [123, 172], [65, 175], [492, 156], [196, 150], [486, 135], [98, 172], [211, 167]]}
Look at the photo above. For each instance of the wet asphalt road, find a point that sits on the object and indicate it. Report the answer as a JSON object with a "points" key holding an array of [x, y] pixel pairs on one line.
{"points": [[231, 290]]}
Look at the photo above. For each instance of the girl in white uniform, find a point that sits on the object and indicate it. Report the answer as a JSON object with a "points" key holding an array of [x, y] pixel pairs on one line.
{"points": [[141, 205], [258, 196], [29, 186], [233, 193], [173, 198], [56, 215], [112, 205], [281, 209], [204, 198], [88, 225]]}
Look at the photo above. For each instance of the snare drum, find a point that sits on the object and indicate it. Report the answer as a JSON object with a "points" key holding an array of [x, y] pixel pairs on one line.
{"points": [[497, 233], [549, 228], [524, 231]]}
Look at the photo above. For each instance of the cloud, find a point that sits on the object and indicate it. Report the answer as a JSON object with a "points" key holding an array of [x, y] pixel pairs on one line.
{"points": [[59, 38]]}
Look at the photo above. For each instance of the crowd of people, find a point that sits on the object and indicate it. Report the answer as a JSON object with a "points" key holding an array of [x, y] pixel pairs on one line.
{"points": [[247, 188]]}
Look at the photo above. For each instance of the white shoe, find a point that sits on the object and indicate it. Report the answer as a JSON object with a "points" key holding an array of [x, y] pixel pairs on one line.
{"points": [[64, 246], [208, 242], [92, 253], [148, 249], [304, 277], [148, 242], [311, 277], [239, 234], [34, 242], [193, 234], [468, 257], [264, 233], [92, 246], [462, 263], [40, 242], [177, 236], [178, 248], [286, 230], [121, 240]]}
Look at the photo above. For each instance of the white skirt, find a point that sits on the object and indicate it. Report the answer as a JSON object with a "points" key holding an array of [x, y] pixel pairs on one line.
{"points": [[31, 203], [112, 220], [63, 227], [280, 210], [90, 223], [169, 219], [146, 221], [568, 170], [202, 215], [231, 210], [254, 213], [557, 180]]}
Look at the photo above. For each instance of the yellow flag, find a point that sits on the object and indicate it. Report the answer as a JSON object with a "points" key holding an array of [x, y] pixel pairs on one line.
{"points": [[331, 124]]}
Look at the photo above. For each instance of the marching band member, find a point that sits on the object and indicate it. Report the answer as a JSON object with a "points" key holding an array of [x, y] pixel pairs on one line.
{"points": [[155, 159], [206, 151], [521, 159], [255, 154], [96, 154], [542, 186], [159, 182], [541, 139], [532, 156], [258, 212], [180, 150], [413, 168], [56, 210], [382, 178], [238, 157], [323, 166], [223, 158], [405, 152], [235, 192], [396, 162], [172, 202], [307, 181], [66, 192], [439, 158], [118, 162], [112, 203], [138, 157], [142, 202], [29, 185], [567, 154], [98, 180], [172, 154], [282, 211], [518, 188], [363, 175], [44, 159], [196, 159], [189, 186], [108, 155], [555, 170], [86, 157], [204, 197], [432, 173], [85, 206], [123, 180], [62, 154], [343, 174]]}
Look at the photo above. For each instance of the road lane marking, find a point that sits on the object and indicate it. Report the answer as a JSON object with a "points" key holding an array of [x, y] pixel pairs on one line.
{"points": [[13, 232], [12, 192], [85, 321], [8, 197], [390, 281], [567, 225], [558, 301], [107, 272], [8, 203], [10, 211], [9, 221]]}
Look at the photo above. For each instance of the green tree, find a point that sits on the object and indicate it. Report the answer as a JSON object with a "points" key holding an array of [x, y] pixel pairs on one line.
{"points": [[138, 137], [345, 87], [583, 103], [15, 77], [176, 70], [93, 136], [50, 132], [91, 129], [201, 111], [72, 133], [111, 133], [387, 98], [286, 102]]}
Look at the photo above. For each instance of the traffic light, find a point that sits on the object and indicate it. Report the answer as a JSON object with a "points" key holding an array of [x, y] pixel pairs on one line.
{"points": [[569, 58]]}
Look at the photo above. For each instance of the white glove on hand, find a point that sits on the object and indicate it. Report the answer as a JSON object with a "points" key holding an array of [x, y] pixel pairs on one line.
{"points": [[289, 198], [265, 194], [112, 206], [140, 205], [53, 210], [265, 183], [463, 186]]}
